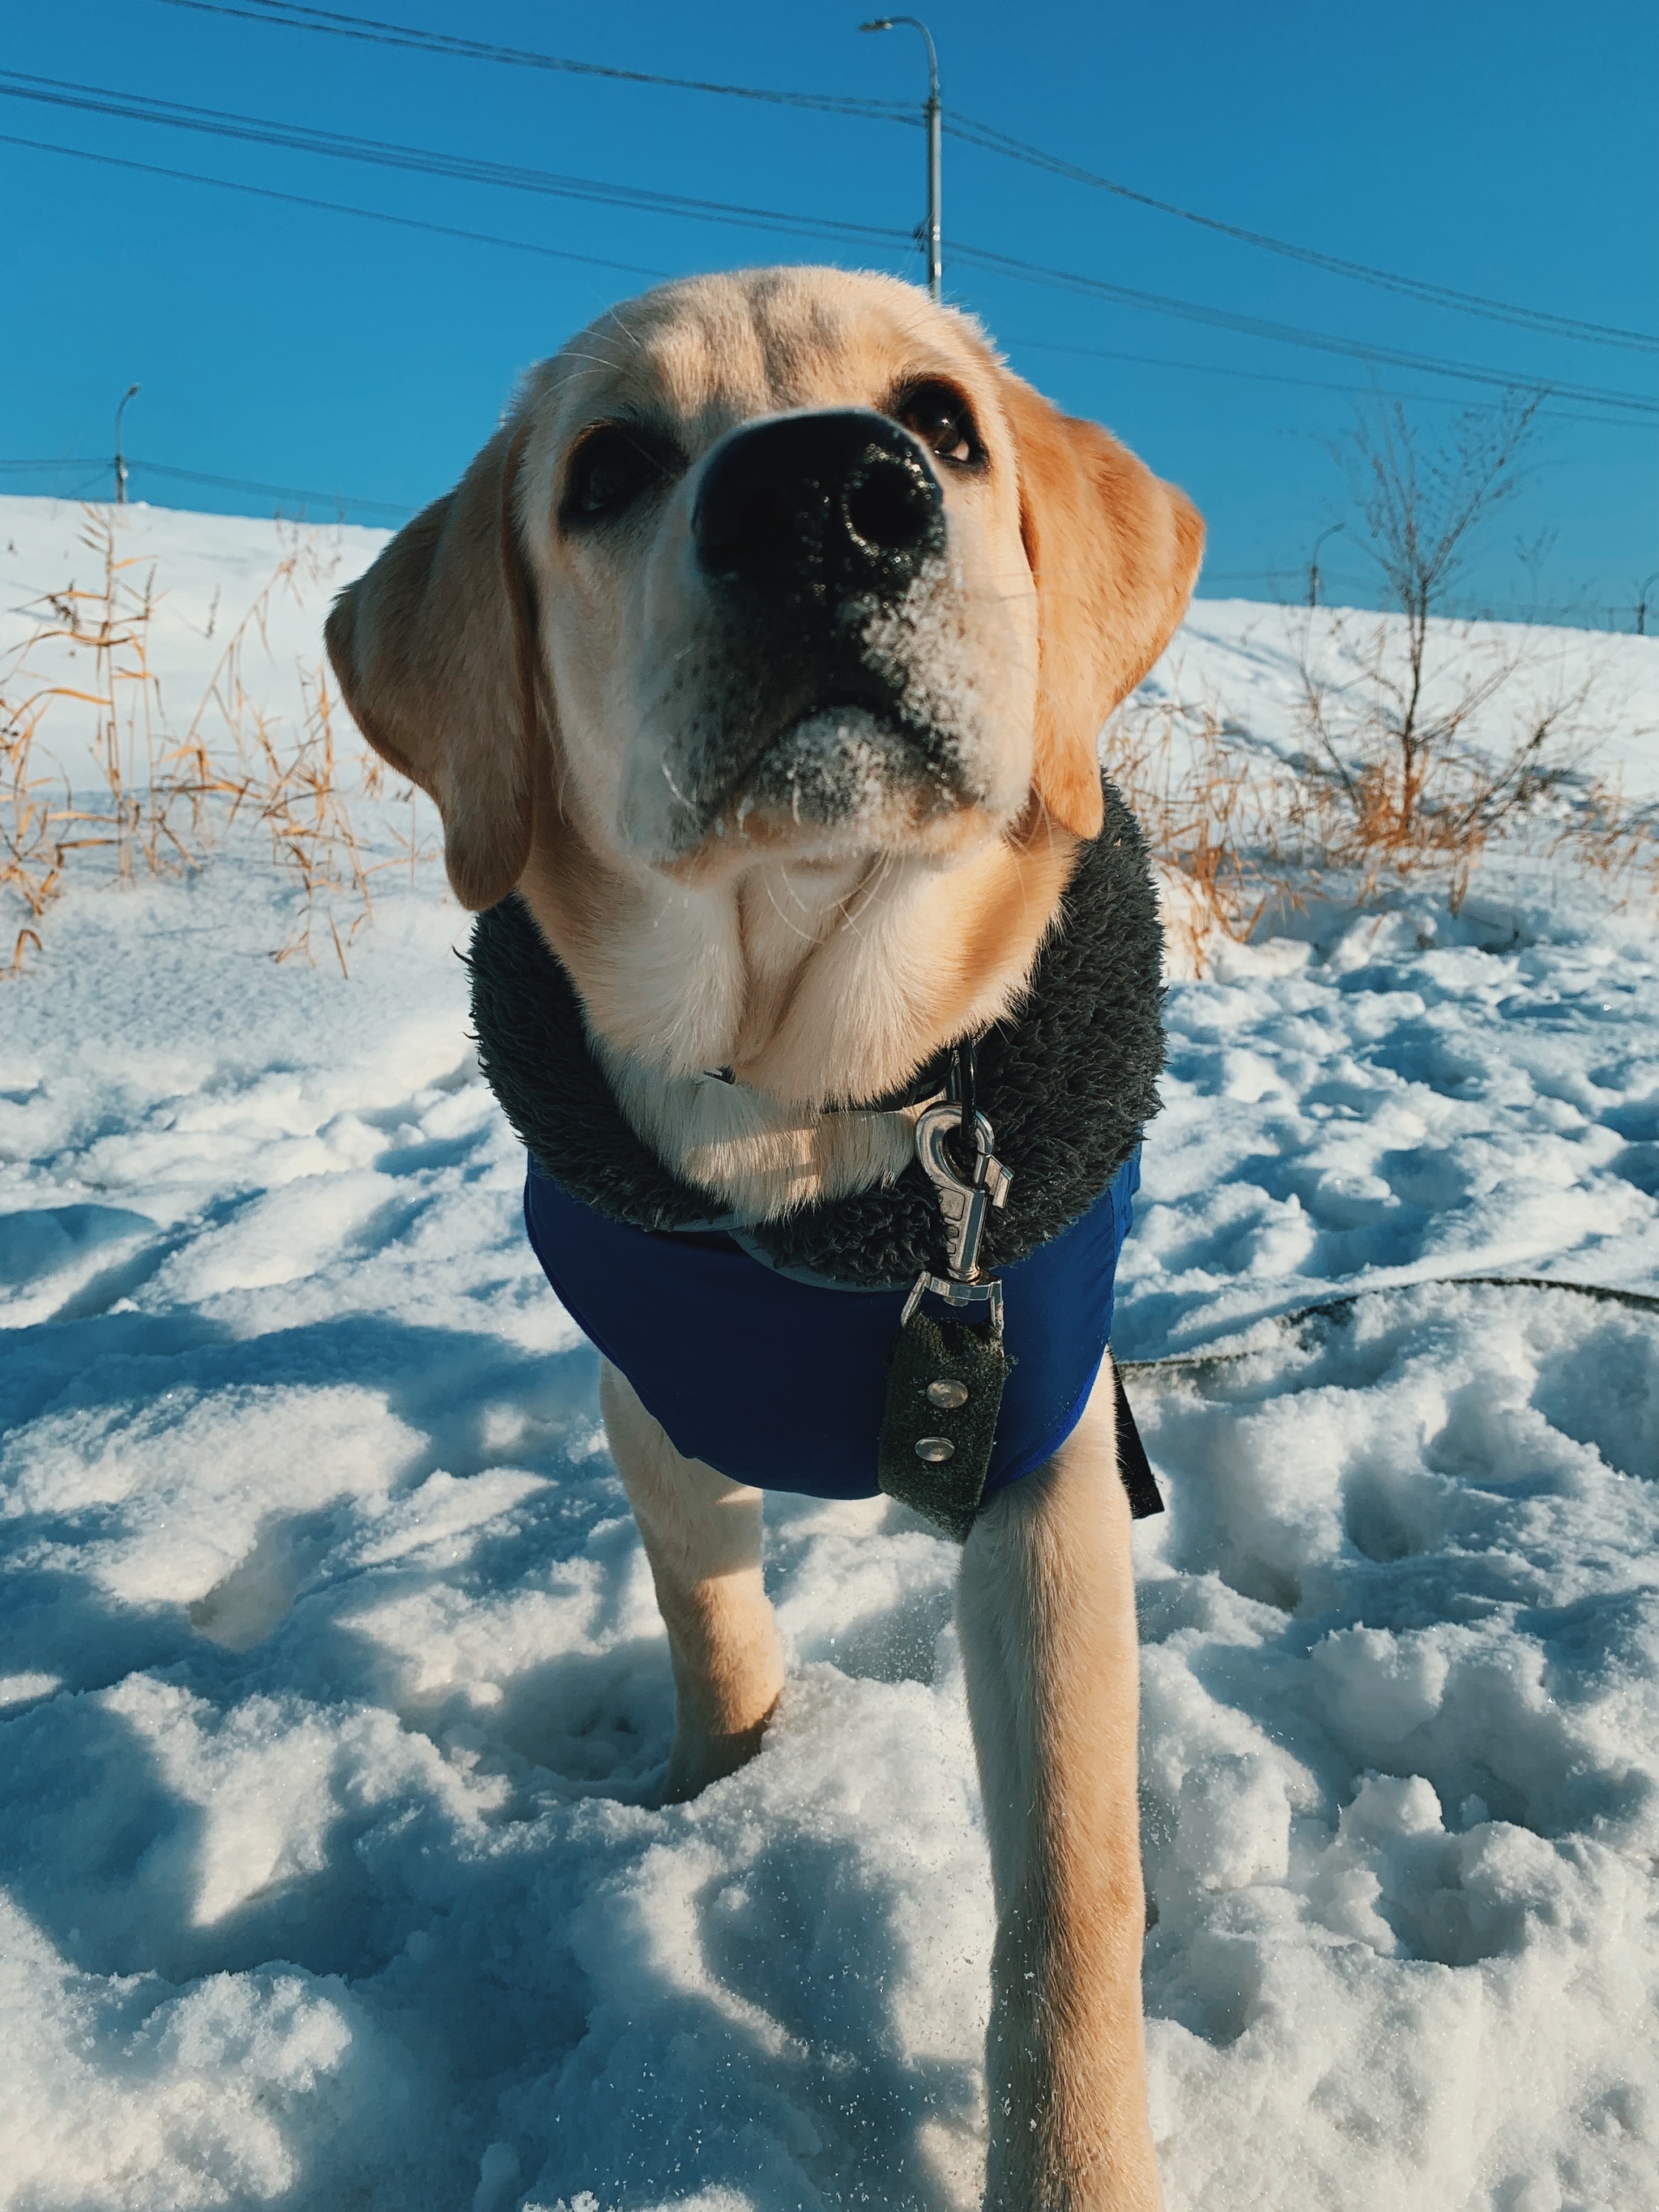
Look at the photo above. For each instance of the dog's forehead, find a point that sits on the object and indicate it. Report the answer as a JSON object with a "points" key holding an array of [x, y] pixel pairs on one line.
{"points": [[711, 352]]}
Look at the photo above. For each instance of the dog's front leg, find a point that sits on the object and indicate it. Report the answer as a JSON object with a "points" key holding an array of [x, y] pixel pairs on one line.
{"points": [[1047, 1620], [702, 1537]]}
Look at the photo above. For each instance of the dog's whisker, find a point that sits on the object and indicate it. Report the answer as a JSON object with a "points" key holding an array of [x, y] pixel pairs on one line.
{"points": [[792, 891], [668, 778], [614, 327], [807, 936], [851, 915]]}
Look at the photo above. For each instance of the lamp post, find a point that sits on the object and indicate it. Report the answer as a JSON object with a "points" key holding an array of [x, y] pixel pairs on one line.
{"points": [[935, 252], [120, 458], [1642, 591], [1313, 562]]}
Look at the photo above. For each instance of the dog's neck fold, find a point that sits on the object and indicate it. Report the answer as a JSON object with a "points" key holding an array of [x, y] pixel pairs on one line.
{"points": [[817, 985]]}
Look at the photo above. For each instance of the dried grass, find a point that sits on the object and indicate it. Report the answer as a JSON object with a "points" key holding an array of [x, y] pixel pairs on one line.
{"points": [[1204, 807], [163, 803], [31, 851], [1239, 834]]}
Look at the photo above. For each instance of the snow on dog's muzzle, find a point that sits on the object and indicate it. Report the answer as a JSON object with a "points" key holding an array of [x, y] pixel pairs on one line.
{"points": [[816, 677]]}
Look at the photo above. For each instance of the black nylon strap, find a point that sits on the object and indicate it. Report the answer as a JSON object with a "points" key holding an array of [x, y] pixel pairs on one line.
{"points": [[964, 1088], [1134, 1468]]}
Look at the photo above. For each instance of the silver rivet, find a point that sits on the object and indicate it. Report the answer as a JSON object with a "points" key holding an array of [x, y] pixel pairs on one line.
{"points": [[947, 1394], [934, 1449]]}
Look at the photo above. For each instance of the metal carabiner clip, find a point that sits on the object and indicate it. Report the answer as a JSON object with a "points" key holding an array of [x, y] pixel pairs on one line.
{"points": [[963, 1206]]}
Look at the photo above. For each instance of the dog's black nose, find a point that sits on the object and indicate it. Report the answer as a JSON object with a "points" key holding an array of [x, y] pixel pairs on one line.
{"points": [[821, 505]]}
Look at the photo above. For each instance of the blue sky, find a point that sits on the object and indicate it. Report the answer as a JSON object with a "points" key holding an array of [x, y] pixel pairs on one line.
{"points": [[1501, 150]]}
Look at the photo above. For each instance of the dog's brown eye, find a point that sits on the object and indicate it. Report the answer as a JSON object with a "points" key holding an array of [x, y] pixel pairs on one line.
{"points": [[610, 472], [943, 420]]}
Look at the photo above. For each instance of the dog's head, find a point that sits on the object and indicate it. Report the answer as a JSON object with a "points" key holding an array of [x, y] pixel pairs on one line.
{"points": [[777, 564]]}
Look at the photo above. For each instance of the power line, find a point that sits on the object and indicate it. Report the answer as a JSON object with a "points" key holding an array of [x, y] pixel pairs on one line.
{"points": [[1302, 383], [332, 207], [1574, 612], [1069, 280], [289, 15], [559, 253], [225, 483], [1538, 319], [218, 123], [271, 490], [101, 470]]}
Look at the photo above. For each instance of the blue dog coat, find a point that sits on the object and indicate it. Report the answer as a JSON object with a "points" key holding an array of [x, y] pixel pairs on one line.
{"points": [[781, 1382]]}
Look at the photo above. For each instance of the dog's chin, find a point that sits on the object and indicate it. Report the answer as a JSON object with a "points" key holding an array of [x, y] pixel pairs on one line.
{"points": [[843, 782]]}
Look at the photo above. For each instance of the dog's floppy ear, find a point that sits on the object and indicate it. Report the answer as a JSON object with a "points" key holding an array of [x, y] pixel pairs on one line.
{"points": [[435, 650], [1115, 553]]}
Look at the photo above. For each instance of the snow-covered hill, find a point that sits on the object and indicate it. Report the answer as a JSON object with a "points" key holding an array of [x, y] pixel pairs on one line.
{"points": [[334, 1692], [209, 569]]}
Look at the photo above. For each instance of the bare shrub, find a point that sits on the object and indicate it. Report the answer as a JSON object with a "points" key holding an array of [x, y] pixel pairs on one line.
{"points": [[1240, 837], [1425, 736], [1421, 511], [1368, 805], [1422, 738]]}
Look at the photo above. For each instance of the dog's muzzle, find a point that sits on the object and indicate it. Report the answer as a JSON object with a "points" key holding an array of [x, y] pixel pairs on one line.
{"points": [[820, 539]]}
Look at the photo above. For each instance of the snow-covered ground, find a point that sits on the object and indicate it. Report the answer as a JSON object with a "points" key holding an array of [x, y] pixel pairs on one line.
{"points": [[334, 1692]]}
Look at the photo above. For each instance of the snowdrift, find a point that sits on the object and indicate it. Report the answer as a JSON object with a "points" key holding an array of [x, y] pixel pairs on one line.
{"points": [[332, 1692]]}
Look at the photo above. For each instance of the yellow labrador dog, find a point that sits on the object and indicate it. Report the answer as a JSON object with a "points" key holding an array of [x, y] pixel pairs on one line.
{"points": [[812, 896]]}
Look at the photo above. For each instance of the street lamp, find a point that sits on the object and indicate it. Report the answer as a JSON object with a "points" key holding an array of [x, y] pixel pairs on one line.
{"points": [[1313, 562], [1642, 591], [120, 461], [935, 254]]}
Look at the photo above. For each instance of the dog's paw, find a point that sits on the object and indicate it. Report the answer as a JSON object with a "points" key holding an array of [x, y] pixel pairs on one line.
{"points": [[698, 1759]]}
